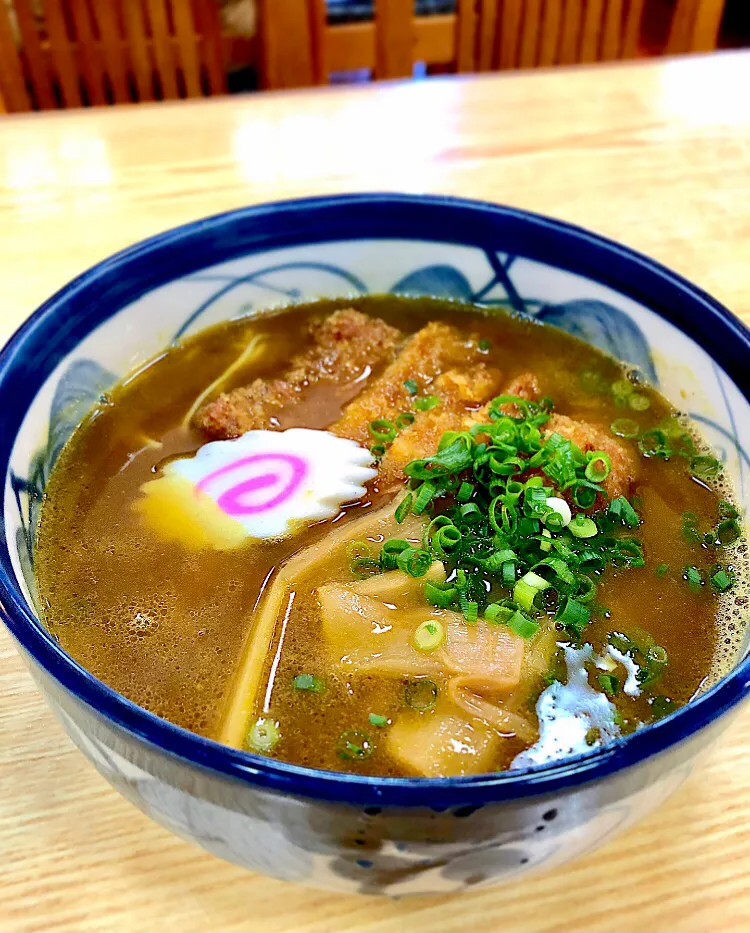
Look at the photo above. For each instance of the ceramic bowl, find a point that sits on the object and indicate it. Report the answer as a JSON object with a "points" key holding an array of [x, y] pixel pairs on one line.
{"points": [[396, 836]]}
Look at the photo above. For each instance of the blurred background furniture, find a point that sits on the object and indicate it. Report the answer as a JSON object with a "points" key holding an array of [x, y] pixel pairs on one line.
{"points": [[64, 53], [69, 53], [302, 44]]}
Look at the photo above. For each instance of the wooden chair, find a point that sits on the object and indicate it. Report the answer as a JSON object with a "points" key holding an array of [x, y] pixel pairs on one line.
{"points": [[108, 51], [299, 47]]}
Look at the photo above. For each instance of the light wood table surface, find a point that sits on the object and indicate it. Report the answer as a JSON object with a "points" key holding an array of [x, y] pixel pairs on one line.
{"points": [[654, 154]]}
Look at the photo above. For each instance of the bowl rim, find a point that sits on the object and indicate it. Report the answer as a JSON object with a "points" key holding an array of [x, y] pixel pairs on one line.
{"points": [[41, 342]]}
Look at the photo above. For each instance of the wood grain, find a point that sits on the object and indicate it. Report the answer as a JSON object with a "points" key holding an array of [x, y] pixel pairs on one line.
{"points": [[652, 154]]}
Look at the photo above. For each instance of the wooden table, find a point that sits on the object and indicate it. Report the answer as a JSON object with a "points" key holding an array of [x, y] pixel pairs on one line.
{"points": [[656, 155]]}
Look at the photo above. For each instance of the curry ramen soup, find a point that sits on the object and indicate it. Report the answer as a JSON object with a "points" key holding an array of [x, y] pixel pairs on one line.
{"points": [[489, 546]]}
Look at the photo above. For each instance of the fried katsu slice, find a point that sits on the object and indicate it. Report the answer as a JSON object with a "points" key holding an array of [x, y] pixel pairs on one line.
{"points": [[345, 348], [429, 353], [461, 395]]}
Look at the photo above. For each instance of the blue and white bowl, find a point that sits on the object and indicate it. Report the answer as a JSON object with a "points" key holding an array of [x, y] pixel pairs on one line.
{"points": [[396, 836]]}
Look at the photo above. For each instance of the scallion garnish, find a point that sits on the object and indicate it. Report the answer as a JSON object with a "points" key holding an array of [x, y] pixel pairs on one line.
{"points": [[354, 745], [264, 735], [723, 580], [625, 427], [661, 570], [424, 495], [639, 402], [485, 345], [573, 615], [609, 684], [465, 492], [383, 430], [404, 508], [599, 466], [309, 683], [414, 561], [429, 635], [654, 443], [522, 625], [411, 386], [426, 402], [377, 720], [581, 526], [440, 594], [421, 694], [404, 419], [694, 578]]}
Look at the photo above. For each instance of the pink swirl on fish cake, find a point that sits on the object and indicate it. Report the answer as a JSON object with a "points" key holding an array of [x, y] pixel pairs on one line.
{"points": [[233, 501]]}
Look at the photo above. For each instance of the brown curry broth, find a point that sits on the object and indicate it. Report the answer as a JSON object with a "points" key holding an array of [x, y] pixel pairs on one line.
{"points": [[166, 627]]}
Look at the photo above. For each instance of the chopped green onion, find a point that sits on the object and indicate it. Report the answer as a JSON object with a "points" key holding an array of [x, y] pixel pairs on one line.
{"points": [[465, 492], [585, 589], [264, 735], [622, 389], [546, 545], [723, 580], [662, 706], [425, 494], [653, 443], [584, 495], [497, 613], [378, 451], [309, 682], [451, 459], [377, 720], [405, 419], [411, 386], [429, 635], [426, 402], [354, 745], [390, 551], [599, 466], [581, 526], [527, 588], [522, 625], [485, 345], [421, 694], [705, 468], [446, 540], [609, 684], [728, 531], [624, 427], [440, 594], [620, 508], [404, 508], [471, 514], [470, 609], [414, 561], [639, 402], [694, 578], [573, 615], [383, 430], [661, 570]]}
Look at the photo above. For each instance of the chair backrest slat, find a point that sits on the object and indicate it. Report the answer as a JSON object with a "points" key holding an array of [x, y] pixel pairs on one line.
{"points": [[466, 37], [75, 52], [511, 17], [12, 83], [550, 38], [612, 30], [34, 54], [163, 49], [106, 13], [532, 14], [61, 50], [300, 47], [187, 47], [393, 38], [570, 39], [90, 61], [632, 28], [142, 67]]}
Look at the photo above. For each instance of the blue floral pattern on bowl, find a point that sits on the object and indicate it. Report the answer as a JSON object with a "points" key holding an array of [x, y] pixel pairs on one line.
{"points": [[366, 835]]}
